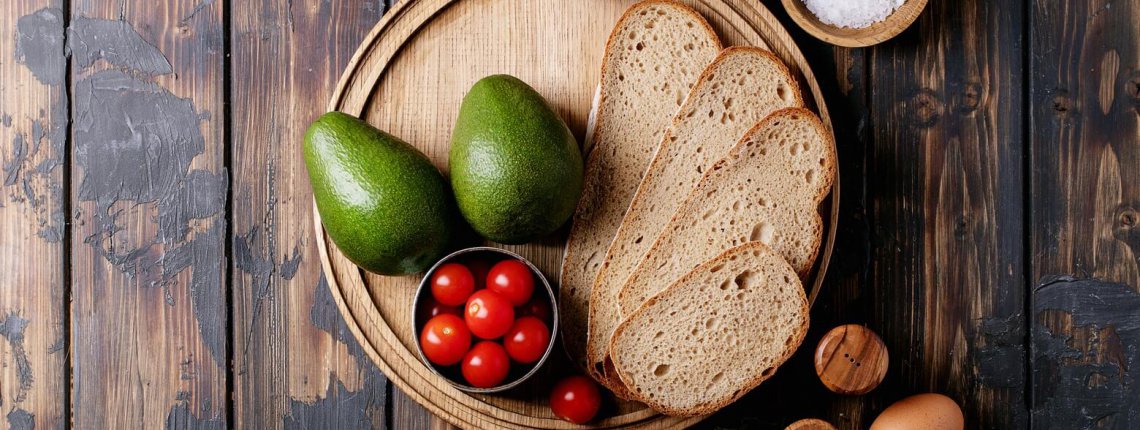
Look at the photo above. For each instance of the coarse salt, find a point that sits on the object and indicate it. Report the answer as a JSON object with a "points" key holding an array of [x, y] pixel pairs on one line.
{"points": [[852, 13]]}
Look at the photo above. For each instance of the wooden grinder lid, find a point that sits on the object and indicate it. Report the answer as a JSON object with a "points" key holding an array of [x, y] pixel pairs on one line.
{"points": [[810, 424], [851, 359]]}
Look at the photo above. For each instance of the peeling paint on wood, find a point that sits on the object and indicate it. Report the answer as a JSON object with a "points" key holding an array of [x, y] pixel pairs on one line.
{"points": [[296, 364], [33, 125], [115, 41], [39, 45], [19, 419], [40, 48], [326, 316], [180, 417], [1086, 346], [135, 141], [150, 192], [339, 409], [12, 328]]}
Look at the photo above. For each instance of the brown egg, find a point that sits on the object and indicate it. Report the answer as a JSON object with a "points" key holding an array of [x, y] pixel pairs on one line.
{"points": [[921, 412]]}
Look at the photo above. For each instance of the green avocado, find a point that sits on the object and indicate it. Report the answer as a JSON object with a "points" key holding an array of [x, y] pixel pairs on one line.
{"points": [[515, 167], [382, 201]]}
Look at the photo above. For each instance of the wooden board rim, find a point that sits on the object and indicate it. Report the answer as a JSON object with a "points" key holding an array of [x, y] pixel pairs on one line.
{"points": [[478, 416]]}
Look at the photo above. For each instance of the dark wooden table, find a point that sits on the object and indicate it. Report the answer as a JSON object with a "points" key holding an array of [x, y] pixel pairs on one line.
{"points": [[157, 264]]}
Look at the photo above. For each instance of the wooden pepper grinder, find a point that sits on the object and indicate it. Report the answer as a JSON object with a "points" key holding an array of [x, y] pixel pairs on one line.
{"points": [[851, 359]]}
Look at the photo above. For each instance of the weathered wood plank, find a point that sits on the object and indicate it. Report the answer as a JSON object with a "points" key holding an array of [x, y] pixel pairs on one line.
{"points": [[33, 141], [296, 365], [945, 187], [149, 193], [1085, 134], [407, 414], [1086, 345]]}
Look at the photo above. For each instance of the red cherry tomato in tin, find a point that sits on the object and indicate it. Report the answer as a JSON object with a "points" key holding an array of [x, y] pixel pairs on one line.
{"points": [[575, 399], [538, 307], [445, 340], [452, 284], [488, 314], [486, 365], [527, 340], [513, 280], [433, 308], [479, 269]]}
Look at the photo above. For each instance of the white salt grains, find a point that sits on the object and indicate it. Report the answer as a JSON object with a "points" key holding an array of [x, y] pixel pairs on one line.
{"points": [[852, 13]]}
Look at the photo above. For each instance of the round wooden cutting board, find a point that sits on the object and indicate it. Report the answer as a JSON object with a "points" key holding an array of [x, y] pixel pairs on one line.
{"points": [[408, 78]]}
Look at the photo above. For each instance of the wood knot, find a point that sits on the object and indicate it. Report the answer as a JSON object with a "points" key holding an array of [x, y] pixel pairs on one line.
{"points": [[1062, 104], [925, 108], [1128, 218], [961, 226], [971, 98]]}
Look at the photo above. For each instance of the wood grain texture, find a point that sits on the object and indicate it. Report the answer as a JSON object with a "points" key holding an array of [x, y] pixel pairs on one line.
{"points": [[1084, 94], [851, 359], [296, 365], [946, 204], [33, 133], [409, 82], [149, 190]]}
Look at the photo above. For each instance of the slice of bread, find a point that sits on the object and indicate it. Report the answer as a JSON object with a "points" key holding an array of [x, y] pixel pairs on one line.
{"points": [[714, 334], [741, 87], [652, 58], [767, 189]]}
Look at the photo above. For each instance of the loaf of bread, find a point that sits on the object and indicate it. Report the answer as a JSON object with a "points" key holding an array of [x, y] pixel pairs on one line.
{"points": [[767, 189], [652, 58], [740, 88], [714, 334]]}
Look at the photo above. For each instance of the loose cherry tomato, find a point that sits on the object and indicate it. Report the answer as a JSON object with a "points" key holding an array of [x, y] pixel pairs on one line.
{"points": [[488, 314], [445, 340], [527, 340], [513, 280], [486, 365], [433, 308], [479, 269], [452, 284], [538, 307], [575, 399]]}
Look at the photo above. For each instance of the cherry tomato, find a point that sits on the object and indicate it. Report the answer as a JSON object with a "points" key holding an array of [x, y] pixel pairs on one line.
{"points": [[575, 399], [445, 340], [527, 340], [486, 365], [452, 284], [538, 307], [488, 314], [433, 308], [479, 269], [513, 280]]}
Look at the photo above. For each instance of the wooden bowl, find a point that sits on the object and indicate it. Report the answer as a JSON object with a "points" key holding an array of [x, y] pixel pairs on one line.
{"points": [[877, 33]]}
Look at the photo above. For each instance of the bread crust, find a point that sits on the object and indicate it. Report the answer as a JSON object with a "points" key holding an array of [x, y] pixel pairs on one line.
{"points": [[715, 404], [575, 344], [598, 291], [830, 169]]}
